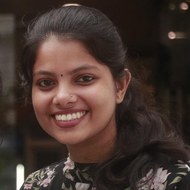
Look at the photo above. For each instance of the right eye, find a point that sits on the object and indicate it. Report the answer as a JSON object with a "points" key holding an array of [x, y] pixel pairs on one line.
{"points": [[45, 83]]}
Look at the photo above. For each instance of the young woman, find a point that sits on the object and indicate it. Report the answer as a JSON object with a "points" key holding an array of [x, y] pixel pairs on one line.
{"points": [[75, 72]]}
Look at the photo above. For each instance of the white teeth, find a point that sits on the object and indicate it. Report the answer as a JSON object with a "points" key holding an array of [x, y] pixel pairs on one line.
{"points": [[74, 116], [69, 117]]}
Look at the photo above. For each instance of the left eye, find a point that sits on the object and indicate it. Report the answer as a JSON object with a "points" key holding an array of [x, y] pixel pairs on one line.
{"points": [[85, 79]]}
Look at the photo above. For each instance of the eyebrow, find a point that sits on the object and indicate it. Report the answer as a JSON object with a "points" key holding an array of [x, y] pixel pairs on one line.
{"points": [[84, 67], [78, 69], [43, 72]]}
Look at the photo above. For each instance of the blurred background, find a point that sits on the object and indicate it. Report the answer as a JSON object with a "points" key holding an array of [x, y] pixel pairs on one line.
{"points": [[157, 34]]}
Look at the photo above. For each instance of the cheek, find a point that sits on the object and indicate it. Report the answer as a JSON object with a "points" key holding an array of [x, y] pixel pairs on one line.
{"points": [[35, 101], [100, 96], [39, 101]]}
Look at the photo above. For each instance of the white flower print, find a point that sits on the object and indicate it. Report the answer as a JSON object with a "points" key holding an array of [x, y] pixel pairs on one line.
{"points": [[69, 176], [159, 179], [27, 186], [81, 186], [69, 165], [45, 182], [50, 173], [157, 182], [40, 178]]}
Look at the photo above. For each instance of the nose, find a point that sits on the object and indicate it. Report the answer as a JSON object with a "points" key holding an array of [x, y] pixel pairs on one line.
{"points": [[64, 97]]}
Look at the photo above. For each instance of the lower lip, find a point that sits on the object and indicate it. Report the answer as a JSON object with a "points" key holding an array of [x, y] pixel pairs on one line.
{"points": [[68, 124]]}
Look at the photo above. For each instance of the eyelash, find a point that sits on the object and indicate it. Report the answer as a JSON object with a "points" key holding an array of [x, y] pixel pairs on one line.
{"points": [[85, 79], [43, 83]]}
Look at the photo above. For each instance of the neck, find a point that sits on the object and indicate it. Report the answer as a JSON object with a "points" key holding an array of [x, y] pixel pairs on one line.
{"points": [[93, 151]]}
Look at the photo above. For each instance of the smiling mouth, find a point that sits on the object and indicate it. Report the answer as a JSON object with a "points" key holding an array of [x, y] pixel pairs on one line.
{"points": [[70, 116]]}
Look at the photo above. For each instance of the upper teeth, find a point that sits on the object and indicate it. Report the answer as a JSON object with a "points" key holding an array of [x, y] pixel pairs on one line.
{"points": [[70, 116]]}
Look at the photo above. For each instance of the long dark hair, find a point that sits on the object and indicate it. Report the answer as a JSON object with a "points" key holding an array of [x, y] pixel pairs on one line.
{"points": [[145, 138]]}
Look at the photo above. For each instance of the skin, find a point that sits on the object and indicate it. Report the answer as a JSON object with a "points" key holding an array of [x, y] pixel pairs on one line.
{"points": [[67, 80]]}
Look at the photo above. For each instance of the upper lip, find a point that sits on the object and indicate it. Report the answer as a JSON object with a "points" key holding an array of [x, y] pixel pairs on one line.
{"points": [[70, 111]]}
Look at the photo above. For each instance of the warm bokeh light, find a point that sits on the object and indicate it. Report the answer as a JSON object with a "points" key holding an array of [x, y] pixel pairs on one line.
{"points": [[171, 35], [184, 6], [176, 35]]}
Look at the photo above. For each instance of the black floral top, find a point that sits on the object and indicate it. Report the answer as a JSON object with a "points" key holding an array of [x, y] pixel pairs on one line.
{"points": [[67, 175]]}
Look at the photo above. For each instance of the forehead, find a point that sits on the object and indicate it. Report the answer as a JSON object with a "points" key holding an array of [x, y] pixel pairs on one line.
{"points": [[54, 43], [65, 54], [64, 39]]}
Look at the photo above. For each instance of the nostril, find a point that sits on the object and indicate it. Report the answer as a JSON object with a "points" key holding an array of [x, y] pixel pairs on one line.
{"points": [[64, 100]]}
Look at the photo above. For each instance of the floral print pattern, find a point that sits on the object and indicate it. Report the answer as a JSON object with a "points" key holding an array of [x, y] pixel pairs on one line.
{"points": [[158, 182], [41, 177], [69, 165], [68, 175]]}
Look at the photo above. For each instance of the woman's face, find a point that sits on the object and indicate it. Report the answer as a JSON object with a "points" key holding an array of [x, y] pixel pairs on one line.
{"points": [[74, 96]]}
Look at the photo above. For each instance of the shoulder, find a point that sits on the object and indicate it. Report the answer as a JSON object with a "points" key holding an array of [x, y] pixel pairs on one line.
{"points": [[172, 176], [43, 177]]}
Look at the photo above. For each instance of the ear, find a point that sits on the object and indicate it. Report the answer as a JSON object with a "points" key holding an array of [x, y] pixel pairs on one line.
{"points": [[122, 85]]}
